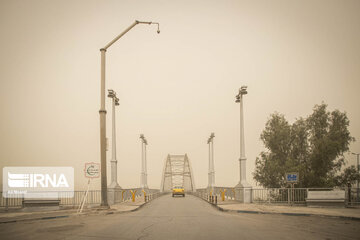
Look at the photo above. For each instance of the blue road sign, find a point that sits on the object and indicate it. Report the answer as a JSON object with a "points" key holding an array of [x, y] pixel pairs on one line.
{"points": [[292, 177]]}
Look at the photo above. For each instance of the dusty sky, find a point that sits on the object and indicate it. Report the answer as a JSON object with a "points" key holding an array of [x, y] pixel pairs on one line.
{"points": [[176, 87]]}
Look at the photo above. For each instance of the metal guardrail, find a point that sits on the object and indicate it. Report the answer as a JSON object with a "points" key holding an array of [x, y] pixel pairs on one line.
{"points": [[213, 199], [275, 195], [93, 197]]}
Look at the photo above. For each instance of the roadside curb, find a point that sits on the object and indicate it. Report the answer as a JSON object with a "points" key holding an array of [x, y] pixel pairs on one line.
{"points": [[100, 211], [132, 210], [34, 219], [287, 213], [119, 211], [281, 213]]}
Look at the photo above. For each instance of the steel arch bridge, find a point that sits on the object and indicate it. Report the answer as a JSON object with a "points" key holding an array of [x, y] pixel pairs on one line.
{"points": [[177, 172]]}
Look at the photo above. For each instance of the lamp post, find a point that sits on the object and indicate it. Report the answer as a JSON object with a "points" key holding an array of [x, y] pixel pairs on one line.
{"points": [[115, 102], [143, 178], [242, 160], [211, 174], [102, 112], [357, 183]]}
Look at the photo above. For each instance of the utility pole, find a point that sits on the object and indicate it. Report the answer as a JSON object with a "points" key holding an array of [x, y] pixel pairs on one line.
{"points": [[357, 183], [102, 111]]}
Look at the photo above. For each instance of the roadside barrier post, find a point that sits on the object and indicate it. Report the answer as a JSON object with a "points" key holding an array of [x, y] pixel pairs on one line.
{"points": [[133, 192], [223, 194], [7, 203], [289, 196], [122, 195], [144, 195]]}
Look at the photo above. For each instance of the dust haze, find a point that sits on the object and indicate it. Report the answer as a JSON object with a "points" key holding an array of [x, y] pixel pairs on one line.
{"points": [[175, 87]]}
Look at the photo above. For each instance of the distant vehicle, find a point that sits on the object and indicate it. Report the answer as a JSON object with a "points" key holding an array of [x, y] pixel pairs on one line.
{"points": [[178, 191]]}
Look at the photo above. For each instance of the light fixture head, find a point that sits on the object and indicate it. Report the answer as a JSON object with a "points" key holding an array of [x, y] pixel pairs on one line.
{"points": [[111, 93], [242, 90], [158, 25]]}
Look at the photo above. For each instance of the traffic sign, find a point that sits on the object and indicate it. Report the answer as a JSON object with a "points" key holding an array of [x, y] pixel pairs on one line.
{"points": [[92, 170], [292, 177]]}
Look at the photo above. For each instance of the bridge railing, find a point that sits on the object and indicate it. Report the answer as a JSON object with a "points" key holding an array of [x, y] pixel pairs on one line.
{"points": [[123, 195], [274, 195], [93, 197]]}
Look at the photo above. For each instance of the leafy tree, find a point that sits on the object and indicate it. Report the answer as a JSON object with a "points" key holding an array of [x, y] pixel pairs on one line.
{"points": [[312, 146], [270, 166], [349, 176]]}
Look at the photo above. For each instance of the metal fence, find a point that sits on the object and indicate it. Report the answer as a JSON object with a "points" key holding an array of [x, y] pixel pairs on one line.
{"points": [[353, 196], [92, 198], [276, 195], [280, 195]]}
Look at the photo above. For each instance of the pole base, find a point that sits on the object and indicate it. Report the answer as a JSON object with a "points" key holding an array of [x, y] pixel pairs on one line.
{"points": [[243, 184], [102, 207], [114, 185], [243, 192], [113, 194]]}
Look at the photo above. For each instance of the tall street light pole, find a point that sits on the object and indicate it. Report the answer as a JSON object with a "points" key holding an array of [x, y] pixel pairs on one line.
{"points": [[357, 183], [246, 197], [143, 178], [115, 102], [211, 174], [102, 112]]}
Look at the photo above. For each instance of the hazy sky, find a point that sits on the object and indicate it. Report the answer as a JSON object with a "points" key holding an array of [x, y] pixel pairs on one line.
{"points": [[175, 87]]}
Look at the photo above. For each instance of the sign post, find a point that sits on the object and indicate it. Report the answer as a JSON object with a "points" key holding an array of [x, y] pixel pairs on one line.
{"points": [[292, 178], [91, 170]]}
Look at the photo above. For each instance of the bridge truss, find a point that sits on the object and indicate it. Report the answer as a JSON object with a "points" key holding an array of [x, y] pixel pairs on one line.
{"points": [[177, 172]]}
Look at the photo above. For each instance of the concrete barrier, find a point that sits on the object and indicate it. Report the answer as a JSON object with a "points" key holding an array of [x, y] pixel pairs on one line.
{"points": [[40, 204], [326, 198]]}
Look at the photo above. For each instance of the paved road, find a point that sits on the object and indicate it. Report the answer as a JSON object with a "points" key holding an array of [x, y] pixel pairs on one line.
{"points": [[183, 218]]}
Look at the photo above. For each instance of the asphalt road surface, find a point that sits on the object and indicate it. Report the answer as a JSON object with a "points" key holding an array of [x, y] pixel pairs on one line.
{"points": [[183, 218]]}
